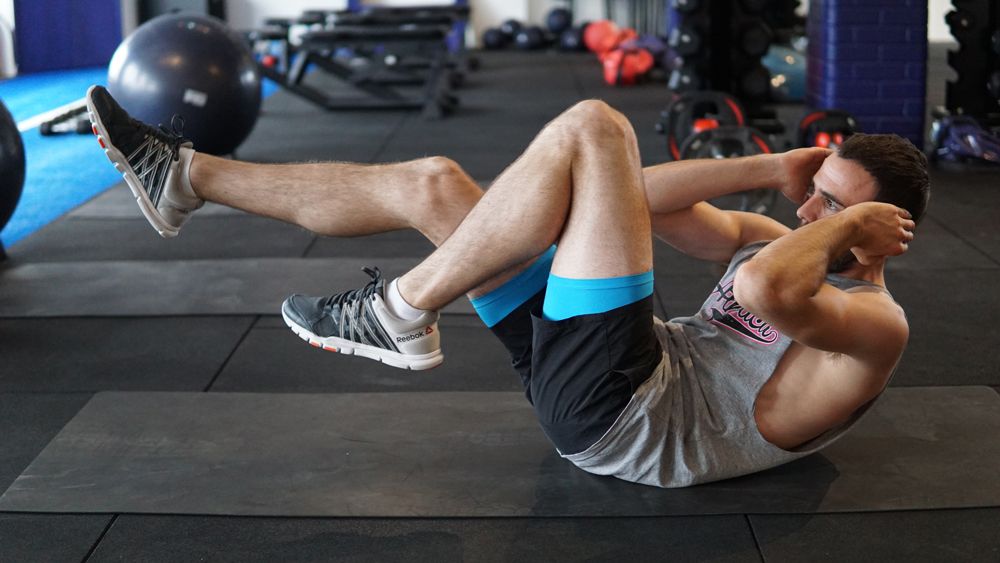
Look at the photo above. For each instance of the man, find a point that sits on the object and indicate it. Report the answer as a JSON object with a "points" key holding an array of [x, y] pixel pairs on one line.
{"points": [[557, 258]]}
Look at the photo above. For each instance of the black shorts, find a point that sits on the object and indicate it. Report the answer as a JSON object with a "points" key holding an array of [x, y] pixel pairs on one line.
{"points": [[580, 373]]}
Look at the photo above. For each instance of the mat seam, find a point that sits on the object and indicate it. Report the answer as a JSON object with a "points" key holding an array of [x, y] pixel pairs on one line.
{"points": [[93, 548], [232, 353], [756, 540]]}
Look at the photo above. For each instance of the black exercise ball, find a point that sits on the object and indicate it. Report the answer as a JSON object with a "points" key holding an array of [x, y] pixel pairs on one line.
{"points": [[572, 40], [530, 38], [559, 20], [510, 28], [11, 166], [493, 38], [193, 66]]}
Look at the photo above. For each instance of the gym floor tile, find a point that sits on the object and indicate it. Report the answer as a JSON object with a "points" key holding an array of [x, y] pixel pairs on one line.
{"points": [[943, 535], [936, 248], [273, 359], [134, 239], [715, 538], [29, 422], [952, 335], [291, 129], [51, 538], [80, 354], [183, 287], [973, 221], [395, 244]]}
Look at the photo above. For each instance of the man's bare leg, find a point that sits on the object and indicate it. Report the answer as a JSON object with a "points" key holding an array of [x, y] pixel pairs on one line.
{"points": [[579, 183], [431, 195]]}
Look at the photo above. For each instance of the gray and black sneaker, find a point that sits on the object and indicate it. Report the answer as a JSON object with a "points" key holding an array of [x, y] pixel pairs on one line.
{"points": [[154, 161], [358, 323]]}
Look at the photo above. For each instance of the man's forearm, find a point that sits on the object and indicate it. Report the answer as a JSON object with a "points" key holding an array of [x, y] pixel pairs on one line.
{"points": [[793, 267], [677, 185]]}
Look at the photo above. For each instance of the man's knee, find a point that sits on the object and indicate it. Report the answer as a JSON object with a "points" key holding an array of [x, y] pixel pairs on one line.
{"points": [[443, 182], [597, 119]]}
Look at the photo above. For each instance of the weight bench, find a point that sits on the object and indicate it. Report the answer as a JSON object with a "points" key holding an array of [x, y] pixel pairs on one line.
{"points": [[384, 50]]}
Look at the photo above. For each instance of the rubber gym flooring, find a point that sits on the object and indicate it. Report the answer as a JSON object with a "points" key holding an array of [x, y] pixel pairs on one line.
{"points": [[83, 325]]}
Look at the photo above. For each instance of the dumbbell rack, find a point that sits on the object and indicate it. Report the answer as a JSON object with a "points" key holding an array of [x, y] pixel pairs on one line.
{"points": [[975, 24], [718, 45]]}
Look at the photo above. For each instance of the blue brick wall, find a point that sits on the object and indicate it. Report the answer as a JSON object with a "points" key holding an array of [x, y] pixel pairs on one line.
{"points": [[869, 57]]}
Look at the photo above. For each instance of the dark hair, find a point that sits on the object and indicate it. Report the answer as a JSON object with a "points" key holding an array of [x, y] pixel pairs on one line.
{"points": [[899, 169]]}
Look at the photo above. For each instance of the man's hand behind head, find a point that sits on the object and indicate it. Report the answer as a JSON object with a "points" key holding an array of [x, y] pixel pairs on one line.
{"points": [[882, 230], [798, 168]]}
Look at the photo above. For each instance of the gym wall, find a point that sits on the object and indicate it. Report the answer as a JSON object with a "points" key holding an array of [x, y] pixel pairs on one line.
{"points": [[246, 14], [8, 66], [63, 34]]}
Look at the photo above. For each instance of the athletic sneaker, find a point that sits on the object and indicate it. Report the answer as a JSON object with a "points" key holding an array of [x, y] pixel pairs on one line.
{"points": [[154, 161], [358, 323]]}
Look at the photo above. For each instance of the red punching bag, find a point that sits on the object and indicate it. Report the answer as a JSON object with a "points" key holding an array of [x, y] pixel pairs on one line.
{"points": [[601, 36], [624, 67]]}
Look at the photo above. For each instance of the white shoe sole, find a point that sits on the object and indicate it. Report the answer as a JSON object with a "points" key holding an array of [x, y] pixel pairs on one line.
{"points": [[131, 180], [341, 346]]}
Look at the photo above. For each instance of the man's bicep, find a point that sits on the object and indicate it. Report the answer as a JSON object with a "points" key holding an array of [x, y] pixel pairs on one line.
{"points": [[863, 324], [708, 233]]}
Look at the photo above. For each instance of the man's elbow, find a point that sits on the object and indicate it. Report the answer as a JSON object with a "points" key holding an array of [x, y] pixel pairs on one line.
{"points": [[759, 291]]}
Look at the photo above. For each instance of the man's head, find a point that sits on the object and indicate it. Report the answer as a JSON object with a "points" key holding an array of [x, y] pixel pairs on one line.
{"points": [[884, 168]]}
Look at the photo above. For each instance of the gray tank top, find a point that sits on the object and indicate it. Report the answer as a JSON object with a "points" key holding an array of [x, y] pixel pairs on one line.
{"points": [[693, 421]]}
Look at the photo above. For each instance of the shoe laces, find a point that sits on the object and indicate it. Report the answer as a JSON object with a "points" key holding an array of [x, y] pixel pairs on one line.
{"points": [[172, 137], [360, 294]]}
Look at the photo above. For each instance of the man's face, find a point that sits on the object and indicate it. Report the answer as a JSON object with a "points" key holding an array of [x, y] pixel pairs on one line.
{"points": [[838, 184]]}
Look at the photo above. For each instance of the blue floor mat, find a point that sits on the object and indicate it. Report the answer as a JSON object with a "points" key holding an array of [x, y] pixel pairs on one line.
{"points": [[63, 171], [28, 96]]}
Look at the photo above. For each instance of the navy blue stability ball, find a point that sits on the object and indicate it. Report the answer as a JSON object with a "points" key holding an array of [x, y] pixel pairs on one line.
{"points": [[530, 38], [559, 20], [494, 39], [11, 166], [193, 66]]}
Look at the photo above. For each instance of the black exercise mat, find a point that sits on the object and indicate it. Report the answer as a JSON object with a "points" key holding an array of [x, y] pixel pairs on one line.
{"points": [[941, 535], [290, 129], [471, 454], [122, 354], [29, 422], [190, 287], [49, 537], [953, 332], [229, 236], [395, 244], [965, 200], [239, 540], [272, 359]]}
